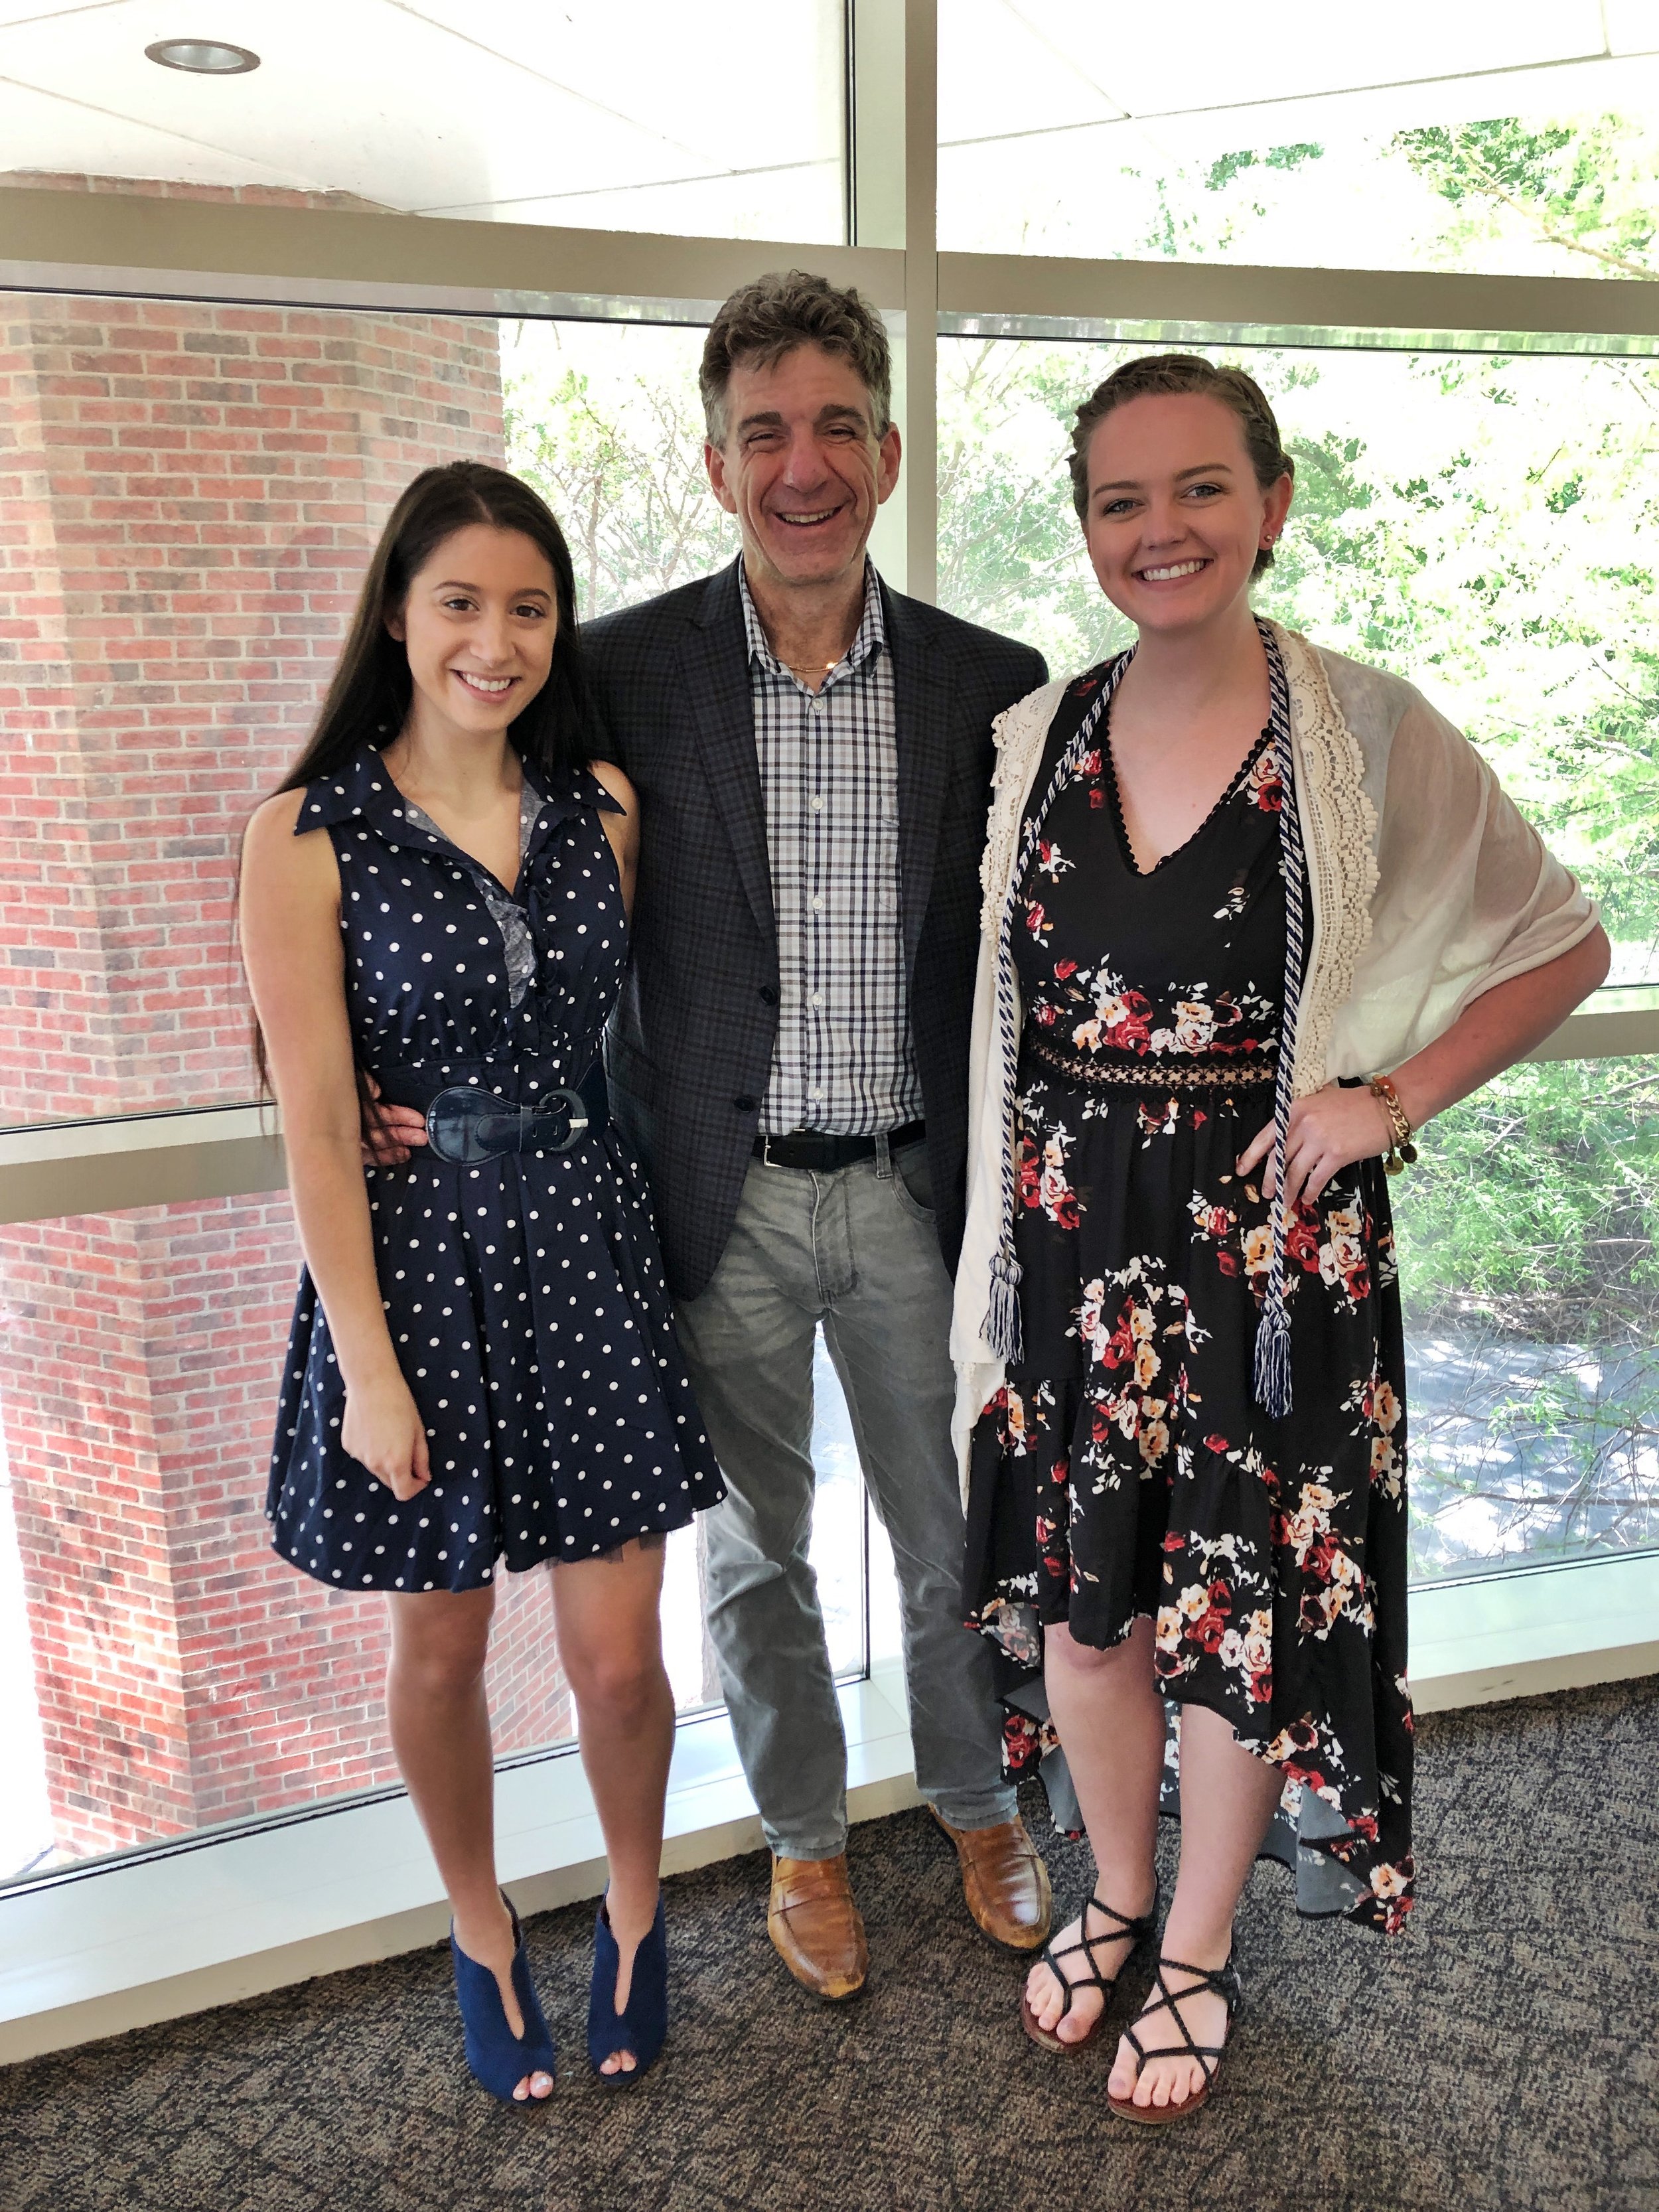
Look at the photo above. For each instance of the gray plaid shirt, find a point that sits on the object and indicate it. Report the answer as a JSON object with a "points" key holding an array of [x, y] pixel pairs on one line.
{"points": [[828, 765]]}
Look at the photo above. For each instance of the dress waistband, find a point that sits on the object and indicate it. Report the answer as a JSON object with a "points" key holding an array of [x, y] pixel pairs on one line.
{"points": [[1192, 1071], [514, 1082]]}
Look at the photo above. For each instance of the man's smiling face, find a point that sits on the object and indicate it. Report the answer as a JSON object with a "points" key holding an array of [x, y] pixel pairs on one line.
{"points": [[801, 466]]}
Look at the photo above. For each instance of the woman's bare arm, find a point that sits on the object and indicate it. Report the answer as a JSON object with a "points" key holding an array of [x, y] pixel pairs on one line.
{"points": [[1334, 1127], [291, 944]]}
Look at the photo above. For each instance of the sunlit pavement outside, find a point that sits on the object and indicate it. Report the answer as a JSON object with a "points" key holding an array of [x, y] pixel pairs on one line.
{"points": [[1524, 1451]]}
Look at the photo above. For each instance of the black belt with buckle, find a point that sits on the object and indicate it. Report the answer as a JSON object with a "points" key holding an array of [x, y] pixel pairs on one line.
{"points": [[822, 1153], [467, 1122]]}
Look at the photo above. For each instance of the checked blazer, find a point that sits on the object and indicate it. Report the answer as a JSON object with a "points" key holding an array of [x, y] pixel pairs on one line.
{"points": [[690, 1045]]}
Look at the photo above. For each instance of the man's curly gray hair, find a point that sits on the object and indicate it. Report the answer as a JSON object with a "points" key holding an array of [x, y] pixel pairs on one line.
{"points": [[763, 321]]}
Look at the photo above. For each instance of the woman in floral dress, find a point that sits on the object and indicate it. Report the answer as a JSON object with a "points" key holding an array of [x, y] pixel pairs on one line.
{"points": [[1230, 880]]}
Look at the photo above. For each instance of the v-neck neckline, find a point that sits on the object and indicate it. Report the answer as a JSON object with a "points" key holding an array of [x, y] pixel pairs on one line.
{"points": [[419, 818], [1114, 800]]}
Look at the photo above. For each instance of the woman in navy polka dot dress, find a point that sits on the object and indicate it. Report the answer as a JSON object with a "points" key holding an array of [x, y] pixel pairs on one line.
{"points": [[483, 1372]]}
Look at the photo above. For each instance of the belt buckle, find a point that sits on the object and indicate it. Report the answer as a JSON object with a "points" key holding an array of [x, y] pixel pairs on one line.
{"points": [[466, 1124], [577, 1106]]}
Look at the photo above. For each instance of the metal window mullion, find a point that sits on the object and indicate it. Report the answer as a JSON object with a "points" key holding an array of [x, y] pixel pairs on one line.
{"points": [[921, 295]]}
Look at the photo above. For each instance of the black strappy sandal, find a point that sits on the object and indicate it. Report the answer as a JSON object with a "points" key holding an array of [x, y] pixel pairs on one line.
{"points": [[1136, 1931], [1222, 1982]]}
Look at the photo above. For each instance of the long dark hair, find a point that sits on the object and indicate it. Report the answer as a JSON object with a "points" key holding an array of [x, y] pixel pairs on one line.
{"points": [[369, 697], [370, 694]]}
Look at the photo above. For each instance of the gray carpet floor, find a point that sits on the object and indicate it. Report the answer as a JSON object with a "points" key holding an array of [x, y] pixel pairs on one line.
{"points": [[1504, 2054]]}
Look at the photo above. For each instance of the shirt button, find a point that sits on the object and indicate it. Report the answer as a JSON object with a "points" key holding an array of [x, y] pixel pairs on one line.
{"points": [[817, 1091], [816, 998], [818, 802], [818, 902], [817, 706]]}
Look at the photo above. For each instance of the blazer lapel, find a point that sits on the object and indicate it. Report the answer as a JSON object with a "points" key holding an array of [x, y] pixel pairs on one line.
{"points": [[924, 688], [715, 666]]}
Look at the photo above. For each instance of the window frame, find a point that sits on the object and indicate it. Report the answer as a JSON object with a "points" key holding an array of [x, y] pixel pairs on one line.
{"points": [[1531, 1630]]}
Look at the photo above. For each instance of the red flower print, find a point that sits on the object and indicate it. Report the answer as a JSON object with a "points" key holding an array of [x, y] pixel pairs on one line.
{"points": [[1035, 918], [1302, 1241], [1063, 969], [1030, 1172], [1215, 1443]]}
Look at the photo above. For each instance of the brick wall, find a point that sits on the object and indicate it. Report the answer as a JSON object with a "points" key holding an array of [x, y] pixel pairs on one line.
{"points": [[188, 495]]}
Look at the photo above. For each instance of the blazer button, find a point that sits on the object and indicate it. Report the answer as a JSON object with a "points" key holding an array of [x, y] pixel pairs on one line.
{"points": [[769, 994], [745, 1104]]}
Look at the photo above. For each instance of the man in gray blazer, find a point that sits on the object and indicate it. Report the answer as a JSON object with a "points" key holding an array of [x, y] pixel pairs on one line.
{"points": [[812, 753]]}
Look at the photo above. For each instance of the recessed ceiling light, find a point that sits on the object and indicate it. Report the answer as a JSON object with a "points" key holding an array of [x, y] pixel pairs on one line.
{"points": [[203, 56]]}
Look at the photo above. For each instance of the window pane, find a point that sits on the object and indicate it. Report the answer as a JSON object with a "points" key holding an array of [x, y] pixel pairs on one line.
{"points": [[1529, 1273], [181, 1674], [200, 488], [642, 118], [605, 420], [1447, 525], [197, 489], [1482, 135], [1474, 522], [161, 1670]]}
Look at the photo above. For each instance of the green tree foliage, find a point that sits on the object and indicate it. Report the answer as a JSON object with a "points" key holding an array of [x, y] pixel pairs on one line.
{"points": [[1586, 188], [616, 449]]}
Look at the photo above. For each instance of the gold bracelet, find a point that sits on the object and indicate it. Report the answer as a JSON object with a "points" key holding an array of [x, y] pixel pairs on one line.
{"points": [[1401, 1152]]}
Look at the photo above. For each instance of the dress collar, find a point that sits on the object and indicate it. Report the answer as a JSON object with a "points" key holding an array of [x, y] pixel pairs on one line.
{"points": [[362, 789]]}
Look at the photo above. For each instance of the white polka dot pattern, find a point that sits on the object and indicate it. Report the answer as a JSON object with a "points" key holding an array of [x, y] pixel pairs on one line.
{"points": [[525, 1297]]}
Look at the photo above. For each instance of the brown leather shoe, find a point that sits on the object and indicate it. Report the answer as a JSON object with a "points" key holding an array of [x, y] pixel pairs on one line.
{"points": [[815, 1927], [1005, 1882]]}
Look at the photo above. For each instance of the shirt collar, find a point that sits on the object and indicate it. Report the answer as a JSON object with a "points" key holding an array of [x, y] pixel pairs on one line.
{"points": [[362, 789], [870, 639]]}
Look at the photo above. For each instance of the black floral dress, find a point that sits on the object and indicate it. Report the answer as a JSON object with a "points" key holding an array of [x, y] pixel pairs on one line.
{"points": [[1126, 1468]]}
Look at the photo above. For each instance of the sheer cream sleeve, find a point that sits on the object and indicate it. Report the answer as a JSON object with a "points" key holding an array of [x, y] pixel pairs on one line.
{"points": [[1467, 895]]}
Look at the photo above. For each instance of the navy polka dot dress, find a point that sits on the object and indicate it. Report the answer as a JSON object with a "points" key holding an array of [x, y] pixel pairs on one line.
{"points": [[524, 1295]]}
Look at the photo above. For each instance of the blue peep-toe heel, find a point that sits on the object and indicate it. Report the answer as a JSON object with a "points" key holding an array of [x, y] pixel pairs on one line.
{"points": [[642, 2025], [497, 2059]]}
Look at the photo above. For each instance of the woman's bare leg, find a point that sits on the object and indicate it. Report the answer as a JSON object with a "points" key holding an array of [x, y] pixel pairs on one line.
{"points": [[1227, 1800], [440, 1723], [1109, 1716], [611, 1647]]}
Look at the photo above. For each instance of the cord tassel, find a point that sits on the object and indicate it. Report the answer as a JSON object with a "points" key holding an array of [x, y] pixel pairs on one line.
{"points": [[1272, 1358], [1002, 1322]]}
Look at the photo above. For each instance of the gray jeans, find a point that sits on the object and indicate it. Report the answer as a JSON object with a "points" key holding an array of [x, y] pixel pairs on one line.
{"points": [[855, 1250]]}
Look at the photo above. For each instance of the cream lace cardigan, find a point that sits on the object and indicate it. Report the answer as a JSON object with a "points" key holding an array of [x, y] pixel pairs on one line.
{"points": [[1428, 887]]}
